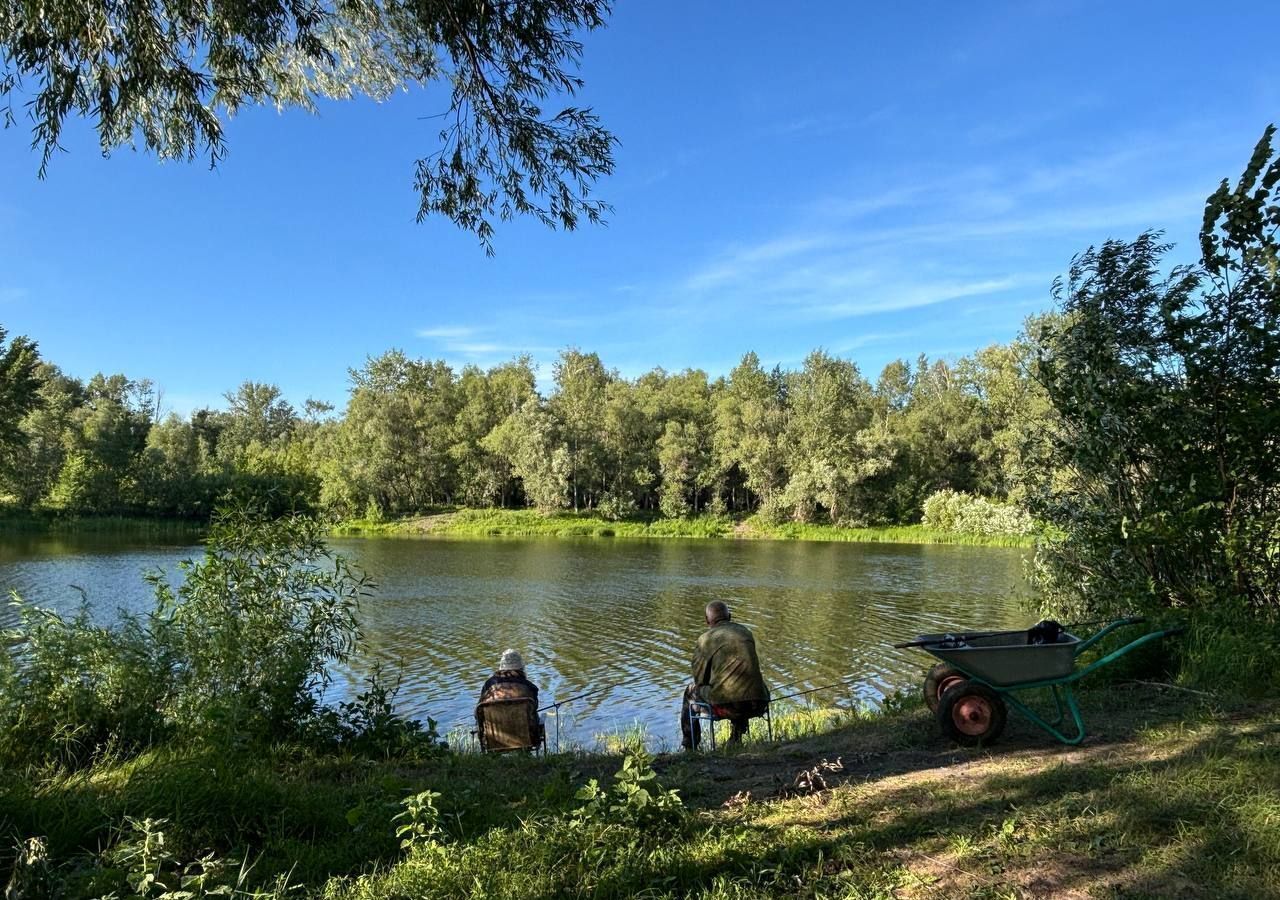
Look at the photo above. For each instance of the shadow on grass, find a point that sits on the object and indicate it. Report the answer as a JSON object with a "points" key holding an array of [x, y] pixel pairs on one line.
{"points": [[1196, 822], [912, 812]]}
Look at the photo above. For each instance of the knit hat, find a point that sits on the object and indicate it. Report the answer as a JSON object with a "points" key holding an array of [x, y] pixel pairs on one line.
{"points": [[511, 662]]}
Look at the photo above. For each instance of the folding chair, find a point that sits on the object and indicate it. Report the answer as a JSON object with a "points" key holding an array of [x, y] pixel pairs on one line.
{"points": [[506, 725], [703, 712]]}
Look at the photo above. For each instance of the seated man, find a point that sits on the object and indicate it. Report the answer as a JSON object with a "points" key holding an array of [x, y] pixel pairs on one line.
{"points": [[509, 683], [726, 674]]}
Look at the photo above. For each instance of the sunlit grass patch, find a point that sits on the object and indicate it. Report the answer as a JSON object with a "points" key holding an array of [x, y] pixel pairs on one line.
{"points": [[565, 524], [631, 738]]}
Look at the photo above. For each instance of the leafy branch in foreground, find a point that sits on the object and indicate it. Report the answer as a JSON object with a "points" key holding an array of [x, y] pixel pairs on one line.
{"points": [[164, 76]]}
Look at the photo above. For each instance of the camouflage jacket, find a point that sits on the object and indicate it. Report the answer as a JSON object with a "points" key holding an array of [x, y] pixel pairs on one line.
{"points": [[726, 665]]}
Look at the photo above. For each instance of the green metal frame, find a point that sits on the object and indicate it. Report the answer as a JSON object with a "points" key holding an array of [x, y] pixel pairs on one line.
{"points": [[1064, 696]]}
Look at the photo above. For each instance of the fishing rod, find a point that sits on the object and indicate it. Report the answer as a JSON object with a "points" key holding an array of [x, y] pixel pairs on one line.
{"points": [[592, 692], [852, 679], [944, 638], [555, 707]]}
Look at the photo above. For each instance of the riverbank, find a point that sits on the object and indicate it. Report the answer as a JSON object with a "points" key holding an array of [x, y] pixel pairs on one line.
{"points": [[478, 523], [1174, 794], [37, 523], [484, 523]]}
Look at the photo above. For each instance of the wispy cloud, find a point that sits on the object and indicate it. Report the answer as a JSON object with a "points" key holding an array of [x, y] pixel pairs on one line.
{"points": [[469, 344], [909, 297], [994, 232], [447, 332]]}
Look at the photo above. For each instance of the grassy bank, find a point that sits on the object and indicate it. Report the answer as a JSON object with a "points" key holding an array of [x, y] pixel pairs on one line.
{"points": [[481, 523], [530, 523], [1172, 796], [49, 523]]}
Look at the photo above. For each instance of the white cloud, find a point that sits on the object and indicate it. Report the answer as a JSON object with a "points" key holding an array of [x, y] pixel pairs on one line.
{"points": [[447, 332], [909, 297], [474, 348]]}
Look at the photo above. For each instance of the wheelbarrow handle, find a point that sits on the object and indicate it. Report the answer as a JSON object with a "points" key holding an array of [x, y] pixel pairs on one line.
{"points": [[948, 638]]}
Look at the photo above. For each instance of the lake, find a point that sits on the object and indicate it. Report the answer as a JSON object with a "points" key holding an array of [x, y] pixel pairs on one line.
{"points": [[616, 615]]}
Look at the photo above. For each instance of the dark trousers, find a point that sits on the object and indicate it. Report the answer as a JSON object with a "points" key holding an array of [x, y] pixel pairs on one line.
{"points": [[739, 714]]}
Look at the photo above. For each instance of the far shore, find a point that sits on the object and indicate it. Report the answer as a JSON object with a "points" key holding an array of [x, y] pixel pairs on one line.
{"points": [[487, 523], [482, 523]]}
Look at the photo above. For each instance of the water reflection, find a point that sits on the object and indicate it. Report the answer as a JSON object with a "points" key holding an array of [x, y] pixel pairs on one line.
{"points": [[619, 615]]}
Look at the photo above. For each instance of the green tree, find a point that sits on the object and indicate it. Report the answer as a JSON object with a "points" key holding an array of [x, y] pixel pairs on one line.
{"points": [[165, 76], [19, 394], [171, 477], [105, 435], [486, 399], [1014, 410], [628, 444], [579, 404], [256, 414], [834, 445], [750, 421], [683, 457], [528, 440], [1164, 472], [394, 448]]}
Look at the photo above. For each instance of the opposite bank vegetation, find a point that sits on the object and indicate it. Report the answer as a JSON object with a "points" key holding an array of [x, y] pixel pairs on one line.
{"points": [[950, 518]]}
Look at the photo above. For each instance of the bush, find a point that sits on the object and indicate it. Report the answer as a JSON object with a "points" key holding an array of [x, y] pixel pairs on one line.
{"points": [[70, 689], [635, 799], [239, 651], [949, 510]]}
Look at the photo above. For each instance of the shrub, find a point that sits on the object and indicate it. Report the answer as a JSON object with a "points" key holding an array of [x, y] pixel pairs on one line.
{"points": [[70, 689], [239, 651], [949, 510], [634, 799], [254, 627]]}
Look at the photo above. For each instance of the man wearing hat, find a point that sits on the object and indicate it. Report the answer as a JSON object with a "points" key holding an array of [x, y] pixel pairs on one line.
{"points": [[509, 683]]}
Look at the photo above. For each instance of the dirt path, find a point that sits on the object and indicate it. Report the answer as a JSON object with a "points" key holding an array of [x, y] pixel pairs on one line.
{"points": [[910, 747]]}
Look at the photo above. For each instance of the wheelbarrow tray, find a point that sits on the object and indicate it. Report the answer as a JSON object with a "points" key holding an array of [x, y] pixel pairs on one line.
{"points": [[1003, 660]]}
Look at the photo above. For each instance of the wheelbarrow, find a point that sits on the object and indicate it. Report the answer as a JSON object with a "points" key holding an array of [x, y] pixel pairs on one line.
{"points": [[971, 689]]}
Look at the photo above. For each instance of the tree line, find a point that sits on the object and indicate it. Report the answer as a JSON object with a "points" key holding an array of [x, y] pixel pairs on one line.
{"points": [[817, 443]]}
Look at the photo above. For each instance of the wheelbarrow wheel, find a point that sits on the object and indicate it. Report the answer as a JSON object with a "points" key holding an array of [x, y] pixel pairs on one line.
{"points": [[940, 677], [972, 714]]}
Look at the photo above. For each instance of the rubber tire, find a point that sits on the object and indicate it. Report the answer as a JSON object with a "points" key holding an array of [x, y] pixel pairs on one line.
{"points": [[940, 676], [969, 690]]}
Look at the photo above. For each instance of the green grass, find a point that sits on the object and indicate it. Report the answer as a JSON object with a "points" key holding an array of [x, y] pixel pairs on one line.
{"points": [[483, 523], [477, 523], [1172, 798], [44, 523]]}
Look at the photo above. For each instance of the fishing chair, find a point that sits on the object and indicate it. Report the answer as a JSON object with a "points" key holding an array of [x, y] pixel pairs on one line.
{"points": [[703, 712], [506, 725]]}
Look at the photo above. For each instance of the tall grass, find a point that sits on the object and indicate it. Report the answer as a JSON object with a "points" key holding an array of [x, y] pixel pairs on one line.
{"points": [[36, 523]]}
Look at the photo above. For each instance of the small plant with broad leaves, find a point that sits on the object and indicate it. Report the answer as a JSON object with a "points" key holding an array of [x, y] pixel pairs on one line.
{"points": [[143, 864], [419, 822], [635, 798]]}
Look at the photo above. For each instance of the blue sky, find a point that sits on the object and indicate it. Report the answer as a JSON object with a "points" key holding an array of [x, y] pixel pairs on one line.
{"points": [[879, 182]]}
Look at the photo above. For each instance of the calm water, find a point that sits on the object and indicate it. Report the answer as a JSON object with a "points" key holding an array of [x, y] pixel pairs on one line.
{"points": [[615, 614]]}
